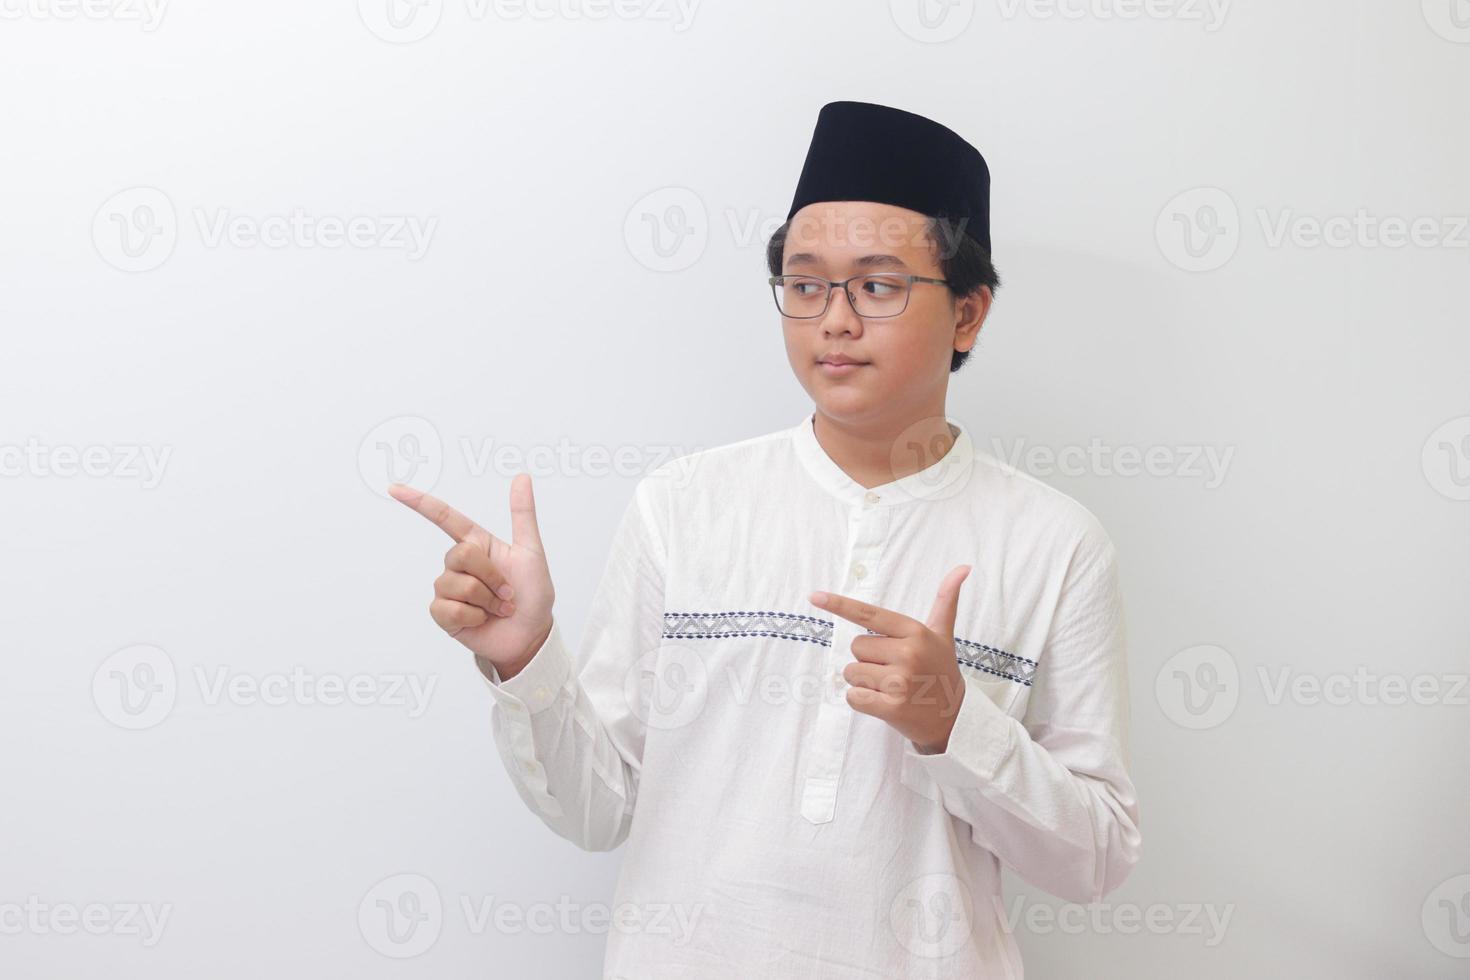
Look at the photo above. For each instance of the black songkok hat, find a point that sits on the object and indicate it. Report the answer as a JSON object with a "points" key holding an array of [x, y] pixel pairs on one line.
{"points": [[866, 152]]}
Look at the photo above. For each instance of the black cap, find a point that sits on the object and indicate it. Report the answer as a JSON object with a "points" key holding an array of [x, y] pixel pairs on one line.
{"points": [[866, 152]]}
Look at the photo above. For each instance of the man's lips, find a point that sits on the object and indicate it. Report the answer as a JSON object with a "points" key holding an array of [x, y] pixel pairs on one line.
{"points": [[839, 367]]}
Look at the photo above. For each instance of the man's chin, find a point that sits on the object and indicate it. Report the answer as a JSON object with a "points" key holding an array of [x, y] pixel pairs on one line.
{"points": [[843, 402]]}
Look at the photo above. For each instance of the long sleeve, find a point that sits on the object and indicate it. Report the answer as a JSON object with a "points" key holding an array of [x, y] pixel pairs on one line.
{"points": [[572, 741], [1050, 795]]}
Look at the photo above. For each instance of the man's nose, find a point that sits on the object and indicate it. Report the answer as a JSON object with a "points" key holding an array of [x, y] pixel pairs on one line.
{"points": [[840, 316]]}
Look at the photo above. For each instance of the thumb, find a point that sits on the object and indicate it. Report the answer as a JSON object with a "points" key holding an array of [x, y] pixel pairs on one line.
{"points": [[946, 603], [523, 529]]}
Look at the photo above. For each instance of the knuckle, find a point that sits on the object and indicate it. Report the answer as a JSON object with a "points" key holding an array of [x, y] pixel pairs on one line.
{"points": [[458, 614], [472, 591]]}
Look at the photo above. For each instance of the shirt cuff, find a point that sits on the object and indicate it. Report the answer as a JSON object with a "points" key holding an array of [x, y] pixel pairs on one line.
{"points": [[982, 737], [535, 687]]}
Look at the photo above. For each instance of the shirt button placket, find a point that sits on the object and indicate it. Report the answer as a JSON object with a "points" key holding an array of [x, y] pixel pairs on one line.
{"points": [[868, 531]]}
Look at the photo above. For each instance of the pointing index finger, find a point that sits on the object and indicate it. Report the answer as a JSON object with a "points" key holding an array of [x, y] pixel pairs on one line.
{"points": [[884, 621], [455, 524]]}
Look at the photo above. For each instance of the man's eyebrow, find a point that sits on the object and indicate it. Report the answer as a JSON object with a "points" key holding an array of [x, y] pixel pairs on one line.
{"points": [[881, 261], [865, 262]]}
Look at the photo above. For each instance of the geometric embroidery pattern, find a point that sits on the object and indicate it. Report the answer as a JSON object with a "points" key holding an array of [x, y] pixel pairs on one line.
{"points": [[993, 661], [809, 629], [787, 626]]}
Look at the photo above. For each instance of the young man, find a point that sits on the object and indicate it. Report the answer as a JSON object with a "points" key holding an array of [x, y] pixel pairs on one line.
{"points": [[838, 674]]}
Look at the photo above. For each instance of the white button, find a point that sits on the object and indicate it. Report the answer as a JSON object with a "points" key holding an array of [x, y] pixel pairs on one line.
{"points": [[528, 766], [858, 569], [541, 693], [870, 498]]}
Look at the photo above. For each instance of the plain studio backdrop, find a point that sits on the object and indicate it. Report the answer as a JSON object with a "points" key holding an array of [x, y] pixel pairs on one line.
{"points": [[260, 258]]}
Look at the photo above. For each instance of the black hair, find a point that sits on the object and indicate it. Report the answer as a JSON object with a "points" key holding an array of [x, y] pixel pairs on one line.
{"points": [[965, 263]]}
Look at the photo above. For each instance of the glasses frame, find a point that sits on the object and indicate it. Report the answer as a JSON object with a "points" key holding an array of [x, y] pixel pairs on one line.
{"points": [[775, 282]]}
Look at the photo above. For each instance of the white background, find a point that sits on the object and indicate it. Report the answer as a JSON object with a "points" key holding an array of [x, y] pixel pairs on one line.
{"points": [[544, 315]]}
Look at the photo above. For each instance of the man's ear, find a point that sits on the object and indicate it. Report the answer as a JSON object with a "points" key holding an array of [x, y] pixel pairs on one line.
{"points": [[970, 313]]}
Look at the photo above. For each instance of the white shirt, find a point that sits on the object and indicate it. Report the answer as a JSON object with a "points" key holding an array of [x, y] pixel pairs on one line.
{"points": [[772, 831]]}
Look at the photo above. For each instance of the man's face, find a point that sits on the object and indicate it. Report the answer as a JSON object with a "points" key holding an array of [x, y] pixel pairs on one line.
{"points": [[902, 361]]}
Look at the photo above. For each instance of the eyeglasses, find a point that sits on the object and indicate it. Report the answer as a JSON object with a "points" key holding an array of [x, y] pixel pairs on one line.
{"points": [[873, 295]]}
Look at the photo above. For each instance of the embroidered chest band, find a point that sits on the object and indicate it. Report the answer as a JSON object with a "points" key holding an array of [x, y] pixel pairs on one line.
{"points": [[809, 629]]}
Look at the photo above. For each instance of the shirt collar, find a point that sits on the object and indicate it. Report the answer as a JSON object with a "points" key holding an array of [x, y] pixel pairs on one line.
{"points": [[942, 478]]}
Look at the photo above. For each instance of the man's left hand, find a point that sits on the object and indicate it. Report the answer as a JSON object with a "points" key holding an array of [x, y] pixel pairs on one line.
{"points": [[907, 676]]}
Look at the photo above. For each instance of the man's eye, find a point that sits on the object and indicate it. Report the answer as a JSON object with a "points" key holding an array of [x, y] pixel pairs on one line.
{"points": [[883, 287]]}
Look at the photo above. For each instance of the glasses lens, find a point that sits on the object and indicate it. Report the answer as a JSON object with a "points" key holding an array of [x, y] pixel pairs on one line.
{"points": [[880, 295], [800, 296]]}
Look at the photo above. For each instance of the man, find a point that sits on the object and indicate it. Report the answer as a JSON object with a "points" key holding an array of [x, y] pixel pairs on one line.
{"points": [[844, 672]]}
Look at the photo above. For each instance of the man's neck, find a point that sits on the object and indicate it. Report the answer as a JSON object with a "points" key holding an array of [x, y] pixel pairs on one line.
{"points": [[890, 451]]}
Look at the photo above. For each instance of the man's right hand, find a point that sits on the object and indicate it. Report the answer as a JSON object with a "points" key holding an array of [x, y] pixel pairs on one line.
{"points": [[494, 597]]}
